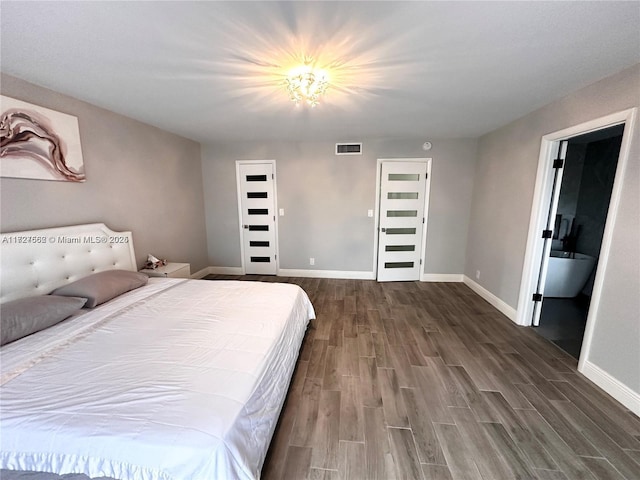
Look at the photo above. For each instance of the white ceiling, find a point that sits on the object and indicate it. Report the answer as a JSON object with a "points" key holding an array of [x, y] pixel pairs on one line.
{"points": [[212, 71]]}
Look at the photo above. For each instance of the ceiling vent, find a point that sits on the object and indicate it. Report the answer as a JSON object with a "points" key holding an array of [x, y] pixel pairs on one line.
{"points": [[348, 149]]}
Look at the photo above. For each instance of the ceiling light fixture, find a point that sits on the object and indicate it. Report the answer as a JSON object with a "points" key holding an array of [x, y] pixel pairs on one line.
{"points": [[307, 84]]}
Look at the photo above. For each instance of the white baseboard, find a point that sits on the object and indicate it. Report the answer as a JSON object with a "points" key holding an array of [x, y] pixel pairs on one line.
{"points": [[283, 272], [442, 277], [225, 271], [612, 386], [340, 274], [501, 305], [200, 273]]}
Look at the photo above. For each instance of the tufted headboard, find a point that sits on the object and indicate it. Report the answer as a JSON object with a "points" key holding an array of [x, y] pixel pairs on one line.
{"points": [[35, 262]]}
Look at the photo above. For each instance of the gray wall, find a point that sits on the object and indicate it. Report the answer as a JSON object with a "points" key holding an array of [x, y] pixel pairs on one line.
{"points": [[139, 178], [326, 198], [502, 201]]}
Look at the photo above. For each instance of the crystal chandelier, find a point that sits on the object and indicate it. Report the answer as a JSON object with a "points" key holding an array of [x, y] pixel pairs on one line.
{"points": [[307, 84]]}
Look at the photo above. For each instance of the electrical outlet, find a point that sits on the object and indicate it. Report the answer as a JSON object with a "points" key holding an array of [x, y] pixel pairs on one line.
{"points": [[312, 261], [369, 213], [477, 274], [282, 212]]}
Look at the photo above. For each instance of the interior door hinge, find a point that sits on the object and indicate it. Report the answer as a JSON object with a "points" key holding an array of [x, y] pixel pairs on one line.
{"points": [[537, 297], [558, 163], [273, 176], [547, 233], [423, 220]]}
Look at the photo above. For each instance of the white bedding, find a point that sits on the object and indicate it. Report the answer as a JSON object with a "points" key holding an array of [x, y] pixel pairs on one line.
{"points": [[176, 380]]}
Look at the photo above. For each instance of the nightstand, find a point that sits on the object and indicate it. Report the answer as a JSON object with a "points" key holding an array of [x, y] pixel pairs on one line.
{"points": [[172, 270]]}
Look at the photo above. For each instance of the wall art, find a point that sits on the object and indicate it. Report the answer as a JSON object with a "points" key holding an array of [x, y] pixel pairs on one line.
{"points": [[39, 143]]}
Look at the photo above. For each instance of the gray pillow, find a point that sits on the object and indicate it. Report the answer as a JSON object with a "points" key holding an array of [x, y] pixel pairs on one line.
{"points": [[25, 316], [103, 286]]}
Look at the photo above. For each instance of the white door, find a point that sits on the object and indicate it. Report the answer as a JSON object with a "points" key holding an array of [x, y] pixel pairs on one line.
{"points": [[402, 201], [257, 204], [547, 233]]}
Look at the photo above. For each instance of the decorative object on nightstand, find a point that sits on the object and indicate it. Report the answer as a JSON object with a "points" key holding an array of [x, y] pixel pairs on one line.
{"points": [[153, 263], [171, 270]]}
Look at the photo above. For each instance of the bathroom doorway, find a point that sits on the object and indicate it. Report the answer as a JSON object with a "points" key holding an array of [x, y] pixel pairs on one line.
{"points": [[542, 225], [587, 179]]}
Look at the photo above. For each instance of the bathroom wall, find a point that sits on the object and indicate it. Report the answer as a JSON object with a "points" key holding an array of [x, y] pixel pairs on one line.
{"points": [[596, 185], [569, 192], [587, 182]]}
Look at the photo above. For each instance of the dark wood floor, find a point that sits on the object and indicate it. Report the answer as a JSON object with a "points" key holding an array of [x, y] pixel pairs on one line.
{"points": [[428, 381]]}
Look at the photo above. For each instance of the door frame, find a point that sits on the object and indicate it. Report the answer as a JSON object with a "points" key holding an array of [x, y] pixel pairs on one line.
{"points": [[376, 213], [540, 209], [239, 163]]}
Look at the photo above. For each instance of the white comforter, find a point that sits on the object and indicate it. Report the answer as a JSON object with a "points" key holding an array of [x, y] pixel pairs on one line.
{"points": [[176, 380]]}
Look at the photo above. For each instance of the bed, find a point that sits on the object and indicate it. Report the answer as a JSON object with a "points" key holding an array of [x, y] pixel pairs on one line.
{"points": [[173, 379]]}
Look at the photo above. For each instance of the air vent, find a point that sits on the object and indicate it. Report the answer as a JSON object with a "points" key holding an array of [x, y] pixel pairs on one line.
{"points": [[348, 149]]}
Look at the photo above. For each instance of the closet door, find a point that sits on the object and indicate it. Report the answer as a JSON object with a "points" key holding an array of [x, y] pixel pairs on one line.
{"points": [[257, 204], [402, 202]]}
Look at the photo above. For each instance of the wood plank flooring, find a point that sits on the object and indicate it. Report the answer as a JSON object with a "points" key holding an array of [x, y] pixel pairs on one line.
{"points": [[427, 381]]}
